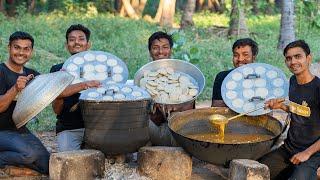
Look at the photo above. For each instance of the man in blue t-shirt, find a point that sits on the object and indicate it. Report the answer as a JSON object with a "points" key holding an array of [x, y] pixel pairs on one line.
{"points": [[244, 52], [70, 125], [18, 147], [299, 156]]}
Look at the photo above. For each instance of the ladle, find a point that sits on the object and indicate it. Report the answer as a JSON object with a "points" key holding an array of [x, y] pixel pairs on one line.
{"points": [[220, 118]]}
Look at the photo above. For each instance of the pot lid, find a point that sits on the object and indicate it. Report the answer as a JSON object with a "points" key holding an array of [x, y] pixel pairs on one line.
{"points": [[115, 92], [38, 94], [170, 81], [315, 69], [96, 65], [248, 87]]}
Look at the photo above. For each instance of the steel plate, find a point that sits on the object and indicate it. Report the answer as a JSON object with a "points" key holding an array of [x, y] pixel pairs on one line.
{"points": [[112, 92], [248, 87], [177, 65], [96, 65]]}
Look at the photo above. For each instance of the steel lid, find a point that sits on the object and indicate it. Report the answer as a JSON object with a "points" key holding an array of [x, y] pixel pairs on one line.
{"points": [[248, 87], [96, 65], [115, 92], [315, 69], [38, 94], [183, 68]]}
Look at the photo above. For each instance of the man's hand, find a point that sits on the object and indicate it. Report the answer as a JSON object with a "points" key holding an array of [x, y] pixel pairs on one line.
{"points": [[22, 81], [91, 84], [300, 157], [276, 104]]}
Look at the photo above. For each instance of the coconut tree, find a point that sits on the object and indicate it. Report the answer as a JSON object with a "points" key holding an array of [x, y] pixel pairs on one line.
{"points": [[165, 12], [287, 33], [186, 19], [255, 9], [2, 5], [237, 25]]}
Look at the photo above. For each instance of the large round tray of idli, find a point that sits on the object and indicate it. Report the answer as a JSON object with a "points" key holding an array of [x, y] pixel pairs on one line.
{"points": [[249, 86], [165, 78], [96, 65]]}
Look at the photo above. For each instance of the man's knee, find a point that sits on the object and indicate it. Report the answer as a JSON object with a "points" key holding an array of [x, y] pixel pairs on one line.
{"points": [[304, 171], [28, 157], [66, 142]]}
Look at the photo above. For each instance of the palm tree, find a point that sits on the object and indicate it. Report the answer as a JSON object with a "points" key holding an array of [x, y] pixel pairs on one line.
{"points": [[186, 19], [287, 33], [168, 11], [237, 25]]}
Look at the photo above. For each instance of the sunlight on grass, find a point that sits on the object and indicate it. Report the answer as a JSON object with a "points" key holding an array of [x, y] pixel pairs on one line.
{"points": [[207, 19]]}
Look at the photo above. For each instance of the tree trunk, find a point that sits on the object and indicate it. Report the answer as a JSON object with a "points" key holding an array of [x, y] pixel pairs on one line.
{"points": [[129, 9], [237, 25], [287, 33], [159, 11], [169, 7], [122, 11], [135, 4], [216, 6], [2, 9], [269, 8], [199, 5], [222, 6], [141, 7], [278, 3], [186, 19], [31, 6], [255, 9], [118, 5], [11, 10]]}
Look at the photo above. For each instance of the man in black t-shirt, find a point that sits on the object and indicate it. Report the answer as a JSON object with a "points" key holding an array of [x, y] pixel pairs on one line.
{"points": [[299, 156], [18, 147], [70, 126], [160, 47], [244, 52]]}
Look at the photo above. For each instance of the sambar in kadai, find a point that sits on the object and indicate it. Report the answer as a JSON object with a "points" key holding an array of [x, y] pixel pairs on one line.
{"points": [[248, 137]]}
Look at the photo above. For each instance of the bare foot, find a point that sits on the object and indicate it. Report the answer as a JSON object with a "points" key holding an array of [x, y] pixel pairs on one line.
{"points": [[20, 171]]}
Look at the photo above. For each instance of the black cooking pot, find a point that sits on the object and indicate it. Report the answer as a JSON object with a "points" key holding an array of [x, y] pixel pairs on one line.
{"points": [[196, 121], [116, 127]]}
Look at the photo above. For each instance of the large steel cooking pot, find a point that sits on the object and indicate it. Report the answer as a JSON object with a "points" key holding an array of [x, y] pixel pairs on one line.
{"points": [[116, 127], [196, 121], [176, 65], [179, 66]]}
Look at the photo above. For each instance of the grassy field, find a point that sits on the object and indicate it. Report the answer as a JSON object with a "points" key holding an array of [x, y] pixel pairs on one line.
{"points": [[127, 39]]}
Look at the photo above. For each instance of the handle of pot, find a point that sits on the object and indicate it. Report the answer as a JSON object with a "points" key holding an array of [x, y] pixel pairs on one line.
{"points": [[31, 78], [286, 123], [151, 108], [252, 76]]}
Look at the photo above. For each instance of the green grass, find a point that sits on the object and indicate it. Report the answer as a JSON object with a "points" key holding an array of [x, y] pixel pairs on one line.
{"points": [[127, 39]]}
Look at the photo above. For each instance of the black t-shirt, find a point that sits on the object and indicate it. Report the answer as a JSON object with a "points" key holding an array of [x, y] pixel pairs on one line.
{"points": [[8, 79], [216, 89], [304, 131], [68, 119]]}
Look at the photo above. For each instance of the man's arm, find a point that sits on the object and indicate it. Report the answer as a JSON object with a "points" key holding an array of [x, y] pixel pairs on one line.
{"points": [[218, 103], [306, 154], [75, 88], [8, 97], [216, 92], [277, 104], [57, 104]]}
